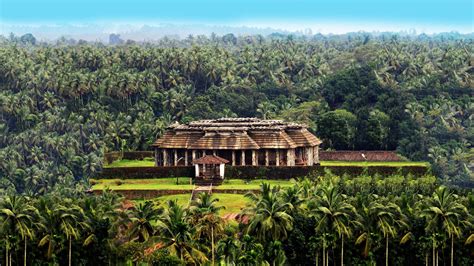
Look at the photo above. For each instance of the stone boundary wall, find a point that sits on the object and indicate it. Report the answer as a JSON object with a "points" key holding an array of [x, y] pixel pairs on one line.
{"points": [[265, 172], [151, 194], [373, 156]]}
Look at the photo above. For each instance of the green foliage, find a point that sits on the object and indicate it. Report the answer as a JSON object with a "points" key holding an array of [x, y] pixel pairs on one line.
{"points": [[62, 107], [366, 220], [338, 129]]}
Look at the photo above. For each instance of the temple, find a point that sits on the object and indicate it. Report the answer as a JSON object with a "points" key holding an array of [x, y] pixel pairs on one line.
{"points": [[241, 141]]}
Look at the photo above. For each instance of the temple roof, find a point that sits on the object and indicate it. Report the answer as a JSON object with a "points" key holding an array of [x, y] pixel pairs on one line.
{"points": [[210, 159], [237, 134]]}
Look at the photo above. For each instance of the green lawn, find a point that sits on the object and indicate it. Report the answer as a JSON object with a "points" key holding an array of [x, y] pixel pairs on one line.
{"points": [[183, 183], [138, 184], [148, 162], [346, 163], [233, 203]]}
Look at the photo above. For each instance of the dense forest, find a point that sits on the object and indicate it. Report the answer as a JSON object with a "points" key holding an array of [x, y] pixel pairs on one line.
{"points": [[326, 220], [63, 105]]}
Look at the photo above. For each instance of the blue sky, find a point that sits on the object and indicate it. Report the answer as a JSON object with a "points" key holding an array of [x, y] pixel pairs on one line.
{"points": [[430, 15]]}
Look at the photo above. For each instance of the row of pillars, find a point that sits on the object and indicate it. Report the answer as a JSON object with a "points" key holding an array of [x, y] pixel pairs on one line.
{"points": [[311, 156]]}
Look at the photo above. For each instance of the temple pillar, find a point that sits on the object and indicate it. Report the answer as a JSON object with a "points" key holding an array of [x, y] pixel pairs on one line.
{"points": [[193, 155], [254, 157], [290, 157], [233, 157], [196, 169], [242, 157], [316, 154], [186, 158], [277, 160], [309, 155], [221, 170], [175, 157], [267, 161], [165, 158], [214, 152]]}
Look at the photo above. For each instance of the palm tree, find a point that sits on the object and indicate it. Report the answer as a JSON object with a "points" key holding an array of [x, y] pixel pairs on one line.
{"points": [[333, 213], [71, 222], [205, 214], [141, 219], [444, 214], [177, 234], [18, 217], [270, 219], [379, 216], [228, 246]]}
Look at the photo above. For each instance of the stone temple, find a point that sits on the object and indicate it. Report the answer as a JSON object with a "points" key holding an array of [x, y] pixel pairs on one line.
{"points": [[241, 141]]}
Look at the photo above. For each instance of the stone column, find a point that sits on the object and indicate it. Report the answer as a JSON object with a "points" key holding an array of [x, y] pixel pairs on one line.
{"points": [[193, 154], [221, 170], [277, 161], [267, 161], [316, 154], [186, 157], [290, 157], [254, 157], [196, 169], [242, 157], [165, 158], [233, 157], [214, 152], [175, 157]]}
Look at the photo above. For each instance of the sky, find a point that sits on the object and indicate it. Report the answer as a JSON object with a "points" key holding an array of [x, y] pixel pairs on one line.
{"points": [[319, 15]]}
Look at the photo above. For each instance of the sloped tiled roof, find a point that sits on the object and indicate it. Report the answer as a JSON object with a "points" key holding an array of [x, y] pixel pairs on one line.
{"points": [[225, 142], [210, 159], [177, 140], [237, 134], [303, 138], [272, 140]]}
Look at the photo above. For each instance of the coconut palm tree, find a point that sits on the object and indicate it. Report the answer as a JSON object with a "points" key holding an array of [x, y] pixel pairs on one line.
{"points": [[379, 216], [142, 217], [269, 217], [177, 234], [333, 213], [71, 222], [444, 214], [204, 213], [17, 216]]}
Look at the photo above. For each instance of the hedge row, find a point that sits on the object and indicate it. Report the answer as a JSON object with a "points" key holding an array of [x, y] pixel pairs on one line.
{"points": [[267, 172], [146, 172], [110, 157], [288, 172]]}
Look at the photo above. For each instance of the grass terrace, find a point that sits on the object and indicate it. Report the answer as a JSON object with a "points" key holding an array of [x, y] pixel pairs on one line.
{"points": [[183, 183], [147, 162], [395, 164], [233, 203]]}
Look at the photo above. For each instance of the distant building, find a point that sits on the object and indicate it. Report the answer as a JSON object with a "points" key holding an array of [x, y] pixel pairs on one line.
{"points": [[241, 141]]}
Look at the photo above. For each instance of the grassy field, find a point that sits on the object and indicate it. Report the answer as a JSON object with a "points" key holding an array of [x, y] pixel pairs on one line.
{"points": [[346, 163], [183, 183], [233, 203], [148, 162]]}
